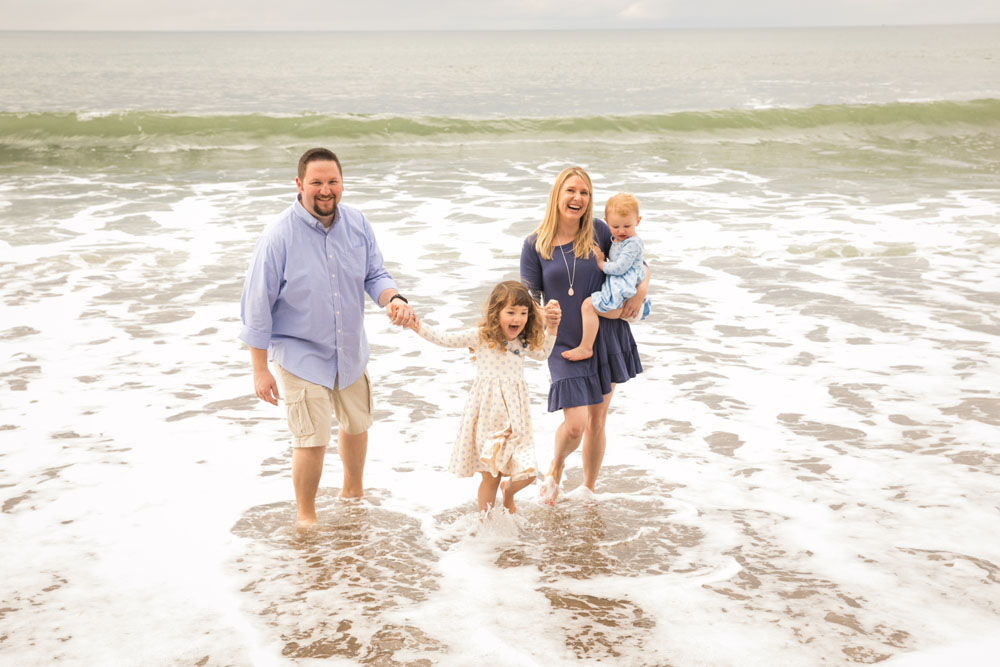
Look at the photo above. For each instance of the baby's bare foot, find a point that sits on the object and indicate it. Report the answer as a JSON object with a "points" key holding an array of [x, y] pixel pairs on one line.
{"points": [[578, 353]]}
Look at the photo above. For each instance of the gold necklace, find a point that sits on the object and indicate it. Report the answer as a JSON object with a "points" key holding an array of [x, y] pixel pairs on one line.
{"points": [[571, 277]]}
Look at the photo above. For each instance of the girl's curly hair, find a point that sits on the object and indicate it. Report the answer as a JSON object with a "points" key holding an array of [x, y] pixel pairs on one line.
{"points": [[513, 293]]}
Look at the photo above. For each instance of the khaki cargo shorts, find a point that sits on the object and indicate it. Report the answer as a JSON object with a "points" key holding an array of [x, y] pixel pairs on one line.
{"points": [[310, 408]]}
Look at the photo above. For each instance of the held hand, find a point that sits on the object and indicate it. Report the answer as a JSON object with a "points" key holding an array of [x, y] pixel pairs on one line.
{"points": [[553, 315], [400, 313], [265, 387]]}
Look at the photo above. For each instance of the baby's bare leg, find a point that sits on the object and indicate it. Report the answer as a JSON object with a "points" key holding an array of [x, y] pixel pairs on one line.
{"points": [[585, 349]]}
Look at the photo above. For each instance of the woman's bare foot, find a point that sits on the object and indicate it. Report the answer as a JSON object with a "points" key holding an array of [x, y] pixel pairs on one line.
{"points": [[549, 489], [578, 353]]}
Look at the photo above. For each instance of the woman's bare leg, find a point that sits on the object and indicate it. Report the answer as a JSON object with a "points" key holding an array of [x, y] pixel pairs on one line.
{"points": [[568, 437], [595, 439]]}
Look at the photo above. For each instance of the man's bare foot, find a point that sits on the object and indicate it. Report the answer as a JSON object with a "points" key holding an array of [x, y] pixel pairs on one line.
{"points": [[578, 353], [303, 522]]}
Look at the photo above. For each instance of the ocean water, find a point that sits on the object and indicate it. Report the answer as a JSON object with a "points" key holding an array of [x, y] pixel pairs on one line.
{"points": [[805, 474]]}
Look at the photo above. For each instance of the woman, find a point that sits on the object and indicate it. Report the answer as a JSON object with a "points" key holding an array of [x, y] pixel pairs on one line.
{"points": [[557, 260]]}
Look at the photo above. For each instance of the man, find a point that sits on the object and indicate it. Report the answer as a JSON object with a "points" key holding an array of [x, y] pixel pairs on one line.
{"points": [[303, 308]]}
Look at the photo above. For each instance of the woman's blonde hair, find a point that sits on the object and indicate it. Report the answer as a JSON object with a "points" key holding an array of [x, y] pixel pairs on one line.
{"points": [[513, 293], [584, 239]]}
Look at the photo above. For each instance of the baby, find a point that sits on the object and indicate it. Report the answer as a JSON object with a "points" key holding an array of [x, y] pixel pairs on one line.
{"points": [[624, 270]]}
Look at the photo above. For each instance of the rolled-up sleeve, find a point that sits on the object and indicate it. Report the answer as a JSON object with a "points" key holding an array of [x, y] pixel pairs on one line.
{"points": [[260, 291]]}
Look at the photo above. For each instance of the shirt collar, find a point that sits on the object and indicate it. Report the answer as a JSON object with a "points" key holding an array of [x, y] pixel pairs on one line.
{"points": [[308, 218]]}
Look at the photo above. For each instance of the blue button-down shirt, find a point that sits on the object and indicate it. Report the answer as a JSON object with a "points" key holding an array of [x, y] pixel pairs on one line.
{"points": [[303, 299]]}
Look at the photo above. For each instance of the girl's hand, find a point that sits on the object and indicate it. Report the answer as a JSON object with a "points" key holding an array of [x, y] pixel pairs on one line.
{"points": [[414, 323], [553, 315]]}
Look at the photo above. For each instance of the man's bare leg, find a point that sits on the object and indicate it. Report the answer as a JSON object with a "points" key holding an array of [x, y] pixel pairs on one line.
{"points": [[307, 469], [353, 450]]}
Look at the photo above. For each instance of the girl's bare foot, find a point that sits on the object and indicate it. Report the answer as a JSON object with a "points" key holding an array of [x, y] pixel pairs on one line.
{"points": [[508, 496]]}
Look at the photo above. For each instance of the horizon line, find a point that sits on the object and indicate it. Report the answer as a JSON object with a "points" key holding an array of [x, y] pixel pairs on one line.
{"points": [[497, 30]]}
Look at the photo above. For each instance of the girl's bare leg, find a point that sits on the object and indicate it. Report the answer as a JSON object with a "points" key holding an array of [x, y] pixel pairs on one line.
{"points": [[488, 491], [509, 488]]}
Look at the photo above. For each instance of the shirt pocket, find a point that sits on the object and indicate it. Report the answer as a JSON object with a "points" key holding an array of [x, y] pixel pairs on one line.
{"points": [[356, 259], [299, 421]]}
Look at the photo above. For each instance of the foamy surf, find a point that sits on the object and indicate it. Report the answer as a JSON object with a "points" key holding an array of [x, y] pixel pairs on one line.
{"points": [[803, 473]]}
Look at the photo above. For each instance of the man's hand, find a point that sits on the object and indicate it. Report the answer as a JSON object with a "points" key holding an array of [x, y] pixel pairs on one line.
{"points": [[400, 313], [265, 386]]}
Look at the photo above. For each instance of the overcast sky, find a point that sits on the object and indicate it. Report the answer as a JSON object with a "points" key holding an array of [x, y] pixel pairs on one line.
{"points": [[479, 14]]}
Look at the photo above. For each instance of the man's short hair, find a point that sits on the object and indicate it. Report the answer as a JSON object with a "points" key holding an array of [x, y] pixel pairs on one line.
{"points": [[317, 155]]}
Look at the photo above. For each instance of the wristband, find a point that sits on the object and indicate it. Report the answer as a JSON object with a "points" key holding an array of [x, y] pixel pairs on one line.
{"points": [[398, 296]]}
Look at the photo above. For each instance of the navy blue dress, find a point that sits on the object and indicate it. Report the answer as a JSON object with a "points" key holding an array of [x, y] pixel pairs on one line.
{"points": [[616, 358]]}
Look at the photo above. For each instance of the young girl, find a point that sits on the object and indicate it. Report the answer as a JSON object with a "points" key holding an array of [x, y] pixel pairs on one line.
{"points": [[494, 435]]}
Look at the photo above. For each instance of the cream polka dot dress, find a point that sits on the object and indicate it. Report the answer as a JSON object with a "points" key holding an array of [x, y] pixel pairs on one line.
{"points": [[495, 434]]}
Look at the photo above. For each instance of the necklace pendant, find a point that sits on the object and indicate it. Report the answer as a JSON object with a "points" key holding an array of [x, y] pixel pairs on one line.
{"points": [[570, 292]]}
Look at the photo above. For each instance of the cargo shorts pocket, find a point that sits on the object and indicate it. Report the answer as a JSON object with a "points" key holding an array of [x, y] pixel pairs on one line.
{"points": [[299, 422]]}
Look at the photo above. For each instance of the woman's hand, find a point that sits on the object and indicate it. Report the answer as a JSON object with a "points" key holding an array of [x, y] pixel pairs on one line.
{"points": [[633, 304], [553, 315]]}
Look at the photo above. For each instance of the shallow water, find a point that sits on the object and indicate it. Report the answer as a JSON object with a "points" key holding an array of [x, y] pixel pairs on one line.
{"points": [[805, 474]]}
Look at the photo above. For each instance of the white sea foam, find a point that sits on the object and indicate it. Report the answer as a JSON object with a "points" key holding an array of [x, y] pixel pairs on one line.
{"points": [[802, 473]]}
